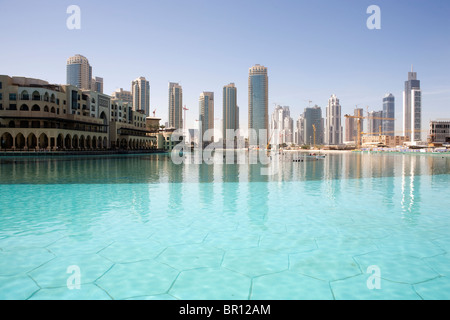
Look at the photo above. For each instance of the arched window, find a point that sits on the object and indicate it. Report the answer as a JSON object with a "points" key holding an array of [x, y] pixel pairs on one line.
{"points": [[24, 107], [35, 108], [52, 98], [46, 109], [46, 97], [52, 110], [24, 95], [36, 96]]}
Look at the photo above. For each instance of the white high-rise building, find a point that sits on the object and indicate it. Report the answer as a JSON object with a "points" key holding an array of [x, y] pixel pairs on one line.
{"points": [[282, 122], [140, 89], [412, 108], [333, 131]]}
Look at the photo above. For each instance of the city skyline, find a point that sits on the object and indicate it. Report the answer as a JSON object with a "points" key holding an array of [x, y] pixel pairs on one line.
{"points": [[301, 67]]}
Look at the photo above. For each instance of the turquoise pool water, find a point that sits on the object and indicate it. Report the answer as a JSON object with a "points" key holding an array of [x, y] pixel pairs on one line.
{"points": [[140, 227]]}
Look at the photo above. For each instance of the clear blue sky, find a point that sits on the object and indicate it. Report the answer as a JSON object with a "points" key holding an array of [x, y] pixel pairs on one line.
{"points": [[313, 49]]}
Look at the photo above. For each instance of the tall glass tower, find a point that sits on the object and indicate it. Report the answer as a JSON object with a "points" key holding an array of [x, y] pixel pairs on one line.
{"points": [[175, 106], [258, 102], [412, 108], [389, 112], [206, 109], [230, 110]]}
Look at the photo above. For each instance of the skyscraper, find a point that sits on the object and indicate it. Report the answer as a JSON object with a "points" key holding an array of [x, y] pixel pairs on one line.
{"points": [[206, 116], [282, 121], [333, 127], [230, 110], [175, 106], [258, 102], [79, 72], [140, 89], [351, 126], [299, 131], [374, 123], [389, 112], [313, 116], [412, 108]]}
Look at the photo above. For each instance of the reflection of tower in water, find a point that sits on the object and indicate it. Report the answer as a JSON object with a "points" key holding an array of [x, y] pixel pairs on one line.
{"points": [[230, 187], [410, 184], [257, 195], [206, 186]]}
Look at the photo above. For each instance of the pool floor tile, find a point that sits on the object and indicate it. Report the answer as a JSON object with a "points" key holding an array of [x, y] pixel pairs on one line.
{"points": [[143, 278], [289, 285], [23, 260], [125, 251], [356, 288], [211, 284], [190, 256], [255, 262], [86, 292], [397, 268], [324, 265], [17, 288], [56, 273], [436, 289]]}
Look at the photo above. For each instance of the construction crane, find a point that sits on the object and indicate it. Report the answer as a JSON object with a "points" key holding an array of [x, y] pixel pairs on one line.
{"points": [[358, 122], [314, 128]]}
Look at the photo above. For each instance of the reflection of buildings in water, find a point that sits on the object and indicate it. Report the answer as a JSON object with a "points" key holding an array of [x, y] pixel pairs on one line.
{"points": [[206, 186], [175, 179], [411, 184], [333, 176], [388, 173], [257, 195], [230, 188]]}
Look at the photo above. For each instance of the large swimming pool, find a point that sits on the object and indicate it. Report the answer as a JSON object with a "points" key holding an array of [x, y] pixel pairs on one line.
{"points": [[352, 226]]}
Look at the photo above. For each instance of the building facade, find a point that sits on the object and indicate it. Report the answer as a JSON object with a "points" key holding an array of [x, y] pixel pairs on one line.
{"points": [[175, 106], [389, 113], [439, 132], [312, 118], [206, 114], [384, 141], [230, 111], [351, 126], [412, 108], [333, 134], [282, 122], [79, 72], [374, 123], [258, 103], [38, 116], [124, 95], [140, 89]]}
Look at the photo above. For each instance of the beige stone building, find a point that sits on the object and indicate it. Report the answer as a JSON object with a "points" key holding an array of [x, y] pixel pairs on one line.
{"points": [[384, 140], [38, 116]]}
